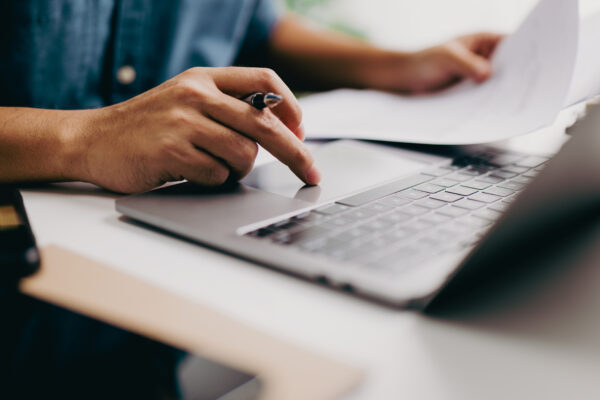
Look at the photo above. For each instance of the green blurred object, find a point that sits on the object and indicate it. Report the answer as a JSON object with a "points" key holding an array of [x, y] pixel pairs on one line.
{"points": [[319, 11]]}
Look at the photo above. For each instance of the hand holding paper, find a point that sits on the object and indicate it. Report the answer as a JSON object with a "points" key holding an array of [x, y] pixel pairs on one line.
{"points": [[533, 69]]}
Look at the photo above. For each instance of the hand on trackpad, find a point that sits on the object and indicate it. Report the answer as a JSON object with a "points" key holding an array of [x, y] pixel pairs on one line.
{"points": [[346, 166]]}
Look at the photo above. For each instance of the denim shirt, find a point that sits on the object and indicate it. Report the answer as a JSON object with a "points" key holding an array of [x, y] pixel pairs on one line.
{"points": [[69, 54]]}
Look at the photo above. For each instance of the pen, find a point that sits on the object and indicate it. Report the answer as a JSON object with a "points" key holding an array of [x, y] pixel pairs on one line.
{"points": [[260, 100]]}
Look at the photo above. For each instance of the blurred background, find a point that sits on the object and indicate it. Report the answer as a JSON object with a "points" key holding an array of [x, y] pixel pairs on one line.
{"points": [[410, 24]]}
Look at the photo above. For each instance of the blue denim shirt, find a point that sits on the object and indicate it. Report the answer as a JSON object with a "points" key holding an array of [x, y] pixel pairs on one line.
{"points": [[66, 54]]}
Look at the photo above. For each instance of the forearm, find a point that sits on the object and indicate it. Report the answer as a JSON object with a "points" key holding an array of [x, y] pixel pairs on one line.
{"points": [[329, 59], [38, 145]]}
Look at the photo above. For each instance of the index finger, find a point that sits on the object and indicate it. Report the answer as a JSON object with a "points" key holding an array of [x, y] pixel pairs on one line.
{"points": [[269, 131], [239, 81]]}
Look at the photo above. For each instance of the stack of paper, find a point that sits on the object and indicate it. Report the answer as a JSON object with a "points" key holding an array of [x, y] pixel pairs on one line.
{"points": [[542, 67]]}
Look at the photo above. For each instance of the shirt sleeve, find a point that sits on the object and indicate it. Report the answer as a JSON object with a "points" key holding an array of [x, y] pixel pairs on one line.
{"points": [[264, 18]]}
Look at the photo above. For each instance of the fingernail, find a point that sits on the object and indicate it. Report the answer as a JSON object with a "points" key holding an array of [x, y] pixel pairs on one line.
{"points": [[313, 176]]}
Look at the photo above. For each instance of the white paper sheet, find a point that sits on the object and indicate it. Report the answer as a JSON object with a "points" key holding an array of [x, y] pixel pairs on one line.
{"points": [[533, 69], [586, 78]]}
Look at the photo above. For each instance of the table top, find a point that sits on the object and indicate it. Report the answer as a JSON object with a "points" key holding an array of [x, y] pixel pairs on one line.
{"points": [[403, 353]]}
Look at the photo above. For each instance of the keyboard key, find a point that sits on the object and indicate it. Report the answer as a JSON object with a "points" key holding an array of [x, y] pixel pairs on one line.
{"points": [[377, 225], [361, 253], [512, 185], [337, 251], [509, 199], [385, 190], [503, 174], [412, 194], [499, 191], [485, 198], [487, 214], [462, 190], [490, 179], [309, 234], [360, 213], [521, 179], [515, 169], [398, 217], [457, 176], [429, 188], [395, 201], [477, 184], [500, 206], [444, 182], [437, 172], [317, 244], [468, 204], [384, 241], [399, 234], [446, 197], [332, 209], [531, 162], [414, 210], [353, 234], [453, 211], [530, 174], [430, 203], [337, 222], [435, 218], [419, 225], [472, 222], [378, 207]]}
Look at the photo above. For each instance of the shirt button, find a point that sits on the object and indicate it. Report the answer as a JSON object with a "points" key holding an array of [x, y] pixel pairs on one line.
{"points": [[126, 74]]}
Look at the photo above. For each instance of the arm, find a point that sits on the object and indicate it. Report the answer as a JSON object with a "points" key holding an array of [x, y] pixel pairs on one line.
{"points": [[39, 145], [192, 126], [329, 60]]}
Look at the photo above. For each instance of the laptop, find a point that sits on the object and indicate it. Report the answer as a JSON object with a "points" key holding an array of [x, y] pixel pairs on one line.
{"points": [[390, 223]]}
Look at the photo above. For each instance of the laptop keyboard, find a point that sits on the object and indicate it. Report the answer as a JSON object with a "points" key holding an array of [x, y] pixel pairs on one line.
{"points": [[406, 222]]}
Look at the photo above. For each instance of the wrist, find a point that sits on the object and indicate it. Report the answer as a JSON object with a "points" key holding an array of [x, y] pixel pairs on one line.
{"points": [[74, 138], [386, 70]]}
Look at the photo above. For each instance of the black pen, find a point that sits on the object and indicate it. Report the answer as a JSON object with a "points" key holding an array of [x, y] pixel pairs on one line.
{"points": [[260, 100]]}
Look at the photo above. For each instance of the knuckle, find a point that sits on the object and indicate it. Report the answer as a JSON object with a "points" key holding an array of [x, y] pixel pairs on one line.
{"points": [[215, 173], [212, 101], [169, 148], [268, 123], [247, 158], [193, 72], [296, 118], [185, 87], [179, 117], [268, 76]]}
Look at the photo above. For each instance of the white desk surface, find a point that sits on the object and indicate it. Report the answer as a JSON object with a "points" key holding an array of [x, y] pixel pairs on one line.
{"points": [[404, 354]]}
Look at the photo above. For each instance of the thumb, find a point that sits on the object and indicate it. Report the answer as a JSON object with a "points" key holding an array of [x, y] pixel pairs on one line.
{"points": [[469, 64]]}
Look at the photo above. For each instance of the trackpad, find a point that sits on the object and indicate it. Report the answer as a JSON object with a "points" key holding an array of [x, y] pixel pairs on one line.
{"points": [[347, 167]]}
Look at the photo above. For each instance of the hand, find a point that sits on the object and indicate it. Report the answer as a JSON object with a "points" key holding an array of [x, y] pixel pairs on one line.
{"points": [[467, 57], [464, 57], [192, 127]]}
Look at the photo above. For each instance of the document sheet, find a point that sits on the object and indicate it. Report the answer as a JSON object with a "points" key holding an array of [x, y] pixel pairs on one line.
{"points": [[533, 69]]}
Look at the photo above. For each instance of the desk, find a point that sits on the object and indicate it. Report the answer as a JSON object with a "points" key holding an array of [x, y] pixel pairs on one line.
{"points": [[404, 354]]}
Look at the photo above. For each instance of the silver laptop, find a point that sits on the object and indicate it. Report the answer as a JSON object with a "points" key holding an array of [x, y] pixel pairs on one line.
{"points": [[389, 223]]}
